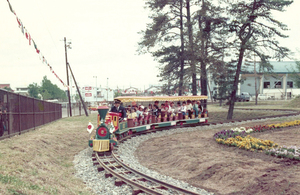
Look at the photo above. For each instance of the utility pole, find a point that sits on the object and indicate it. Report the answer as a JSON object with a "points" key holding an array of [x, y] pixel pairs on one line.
{"points": [[255, 76], [68, 75], [107, 91], [84, 107]]}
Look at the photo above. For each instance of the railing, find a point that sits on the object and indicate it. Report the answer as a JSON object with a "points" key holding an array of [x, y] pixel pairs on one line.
{"points": [[20, 113]]}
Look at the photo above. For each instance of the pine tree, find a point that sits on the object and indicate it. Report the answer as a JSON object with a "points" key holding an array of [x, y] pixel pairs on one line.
{"points": [[255, 30]]}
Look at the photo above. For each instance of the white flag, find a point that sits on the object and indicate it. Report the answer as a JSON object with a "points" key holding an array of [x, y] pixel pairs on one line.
{"points": [[90, 127]]}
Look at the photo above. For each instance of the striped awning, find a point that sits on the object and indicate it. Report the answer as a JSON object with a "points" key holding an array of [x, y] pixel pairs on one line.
{"points": [[159, 98]]}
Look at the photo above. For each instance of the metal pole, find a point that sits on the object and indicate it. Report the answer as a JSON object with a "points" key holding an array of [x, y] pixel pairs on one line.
{"points": [[84, 107], [107, 91], [255, 85], [96, 90], [67, 76]]}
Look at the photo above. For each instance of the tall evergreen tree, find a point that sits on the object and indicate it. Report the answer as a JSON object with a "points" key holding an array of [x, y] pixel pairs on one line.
{"points": [[166, 30], [209, 40], [255, 30]]}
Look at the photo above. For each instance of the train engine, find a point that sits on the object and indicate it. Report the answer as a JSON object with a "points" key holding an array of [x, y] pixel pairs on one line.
{"points": [[104, 139]]}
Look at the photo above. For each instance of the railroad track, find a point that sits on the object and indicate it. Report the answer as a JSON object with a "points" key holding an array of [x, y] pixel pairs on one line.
{"points": [[142, 183]]}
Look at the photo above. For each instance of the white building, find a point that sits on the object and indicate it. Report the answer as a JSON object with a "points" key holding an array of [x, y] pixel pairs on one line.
{"points": [[93, 95], [279, 84], [22, 91], [131, 91], [153, 90]]}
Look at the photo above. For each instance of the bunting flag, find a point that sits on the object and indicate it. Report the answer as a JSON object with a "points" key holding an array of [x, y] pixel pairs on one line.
{"points": [[28, 36], [29, 39]]}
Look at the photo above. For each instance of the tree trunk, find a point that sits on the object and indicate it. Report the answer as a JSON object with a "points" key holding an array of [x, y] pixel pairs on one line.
{"points": [[204, 54], [236, 81], [181, 52], [191, 48], [203, 81]]}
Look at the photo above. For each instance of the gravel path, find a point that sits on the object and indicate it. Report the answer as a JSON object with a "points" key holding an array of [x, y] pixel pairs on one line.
{"points": [[105, 186]]}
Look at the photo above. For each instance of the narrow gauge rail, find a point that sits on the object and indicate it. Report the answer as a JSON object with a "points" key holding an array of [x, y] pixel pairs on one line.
{"points": [[140, 182], [110, 162]]}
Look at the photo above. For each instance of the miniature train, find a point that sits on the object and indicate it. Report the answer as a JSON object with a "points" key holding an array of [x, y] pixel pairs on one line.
{"points": [[109, 130]]}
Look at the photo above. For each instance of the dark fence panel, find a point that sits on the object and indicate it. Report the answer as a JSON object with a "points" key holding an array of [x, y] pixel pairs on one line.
{"points": [[19, 113]]}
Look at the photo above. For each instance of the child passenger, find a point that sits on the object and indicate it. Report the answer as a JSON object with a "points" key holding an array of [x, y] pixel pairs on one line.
{"points": [[146, 111], [150, 109], [132, 113], [162, 108], [189, 108], [178, 109], [183, 109], [171, 110], [140, 112]]}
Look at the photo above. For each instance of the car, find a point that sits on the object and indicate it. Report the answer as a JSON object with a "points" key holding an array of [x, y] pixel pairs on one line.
{"points": [[263, 97], [245, 96]]}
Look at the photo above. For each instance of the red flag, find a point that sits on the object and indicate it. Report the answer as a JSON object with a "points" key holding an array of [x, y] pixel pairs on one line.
{"points": [[26, 34], [29, 38], [19, 22]]}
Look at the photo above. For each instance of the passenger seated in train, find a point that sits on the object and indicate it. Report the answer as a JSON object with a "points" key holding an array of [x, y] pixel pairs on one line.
{"points": [[128, 111], [200, 108], [156, 109], [146, 113], [183, 109], [133, 114], [150, 109], [140, 112], [178, 108], [171, 111], [163, 108], [195, 108], [189, 108]]}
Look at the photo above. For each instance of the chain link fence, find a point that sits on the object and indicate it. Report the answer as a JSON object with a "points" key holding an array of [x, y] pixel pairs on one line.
{"points": [[20, 113]]}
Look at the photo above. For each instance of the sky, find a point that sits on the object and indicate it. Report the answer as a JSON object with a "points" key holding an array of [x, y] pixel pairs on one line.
{"points": [[104, 37]]}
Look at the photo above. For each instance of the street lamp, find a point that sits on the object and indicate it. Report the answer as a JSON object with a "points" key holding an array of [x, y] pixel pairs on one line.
{"points": [[96, 90]]}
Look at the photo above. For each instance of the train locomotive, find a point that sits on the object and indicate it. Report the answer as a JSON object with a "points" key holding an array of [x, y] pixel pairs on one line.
{"points": [[110, 129]]}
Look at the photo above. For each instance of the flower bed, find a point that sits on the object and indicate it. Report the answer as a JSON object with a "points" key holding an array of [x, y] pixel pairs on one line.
{"points": [[224, 134], [261, 128], [285, 124], [238, 137], [292, 152], [248, 143]]}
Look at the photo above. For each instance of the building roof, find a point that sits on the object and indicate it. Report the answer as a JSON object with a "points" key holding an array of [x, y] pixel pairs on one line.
{"points": [[2, 86], [282, 67], [153, 88]]}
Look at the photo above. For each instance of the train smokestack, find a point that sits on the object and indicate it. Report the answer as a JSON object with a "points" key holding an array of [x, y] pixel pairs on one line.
{"points": [[102, 110]]}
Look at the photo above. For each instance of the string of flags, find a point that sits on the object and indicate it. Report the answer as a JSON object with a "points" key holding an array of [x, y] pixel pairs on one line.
{"points": [[29, 38]]}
